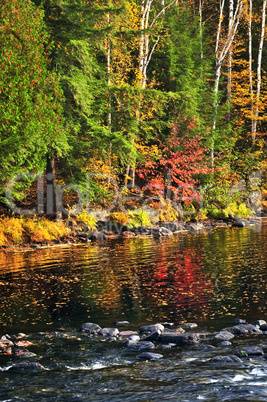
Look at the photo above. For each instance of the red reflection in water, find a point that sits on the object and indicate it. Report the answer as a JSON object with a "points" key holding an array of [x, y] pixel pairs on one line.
{"points": [[181, 285]]}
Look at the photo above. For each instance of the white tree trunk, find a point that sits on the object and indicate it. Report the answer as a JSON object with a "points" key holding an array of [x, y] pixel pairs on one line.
{"points": [[258, 91], [220, 57], [229, 76], [251, 91]]}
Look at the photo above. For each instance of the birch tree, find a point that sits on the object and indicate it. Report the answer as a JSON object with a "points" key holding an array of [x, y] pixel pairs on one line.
{"points": [[258, 89], [222, 47]]}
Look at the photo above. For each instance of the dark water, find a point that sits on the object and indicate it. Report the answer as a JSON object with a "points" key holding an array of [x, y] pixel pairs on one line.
{"points": [[207, 278]]}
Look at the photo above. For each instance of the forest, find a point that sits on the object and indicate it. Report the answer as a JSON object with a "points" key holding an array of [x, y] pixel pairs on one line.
{"points": [[163, 100]]}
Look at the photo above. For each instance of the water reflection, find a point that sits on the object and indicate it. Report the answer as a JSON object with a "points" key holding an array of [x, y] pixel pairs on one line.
{"points": [[206, 277]]}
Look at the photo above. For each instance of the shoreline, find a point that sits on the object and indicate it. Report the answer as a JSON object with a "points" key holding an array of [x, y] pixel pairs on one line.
{"points": [[160, 229]]}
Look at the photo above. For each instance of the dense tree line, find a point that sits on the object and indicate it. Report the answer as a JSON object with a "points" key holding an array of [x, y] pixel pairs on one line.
{"points": [[164, 95]]}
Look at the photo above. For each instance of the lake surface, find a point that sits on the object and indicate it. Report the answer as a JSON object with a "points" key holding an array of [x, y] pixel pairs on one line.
{"points": [[207, 278]]}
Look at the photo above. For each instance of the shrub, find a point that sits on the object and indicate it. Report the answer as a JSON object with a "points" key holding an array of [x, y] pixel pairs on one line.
{"points": [[87, 219], [139, 218]]}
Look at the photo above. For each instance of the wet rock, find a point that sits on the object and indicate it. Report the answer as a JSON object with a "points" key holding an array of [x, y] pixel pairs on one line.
{"points": [[108, 332], [5, 343], [126, 334], [179, 339], [226, 359], [238, 321], [149, 356], [120, 323], [23, 354], [142, 345], [165, 232], [240, 223], [263, 327], [207, 347], [223, 336], [250, 351], [153, 336], [180, 330], [258, 323], [195, 227], [167, 324], [90, 328], [134, 338], [23, 344], [225, 344], [244, 329], [95, 235], [188, 325], [147, 329], [26, 366]]}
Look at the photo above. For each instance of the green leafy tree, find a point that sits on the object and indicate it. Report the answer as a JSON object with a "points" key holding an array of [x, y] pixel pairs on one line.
{"points": [[30, 99]]}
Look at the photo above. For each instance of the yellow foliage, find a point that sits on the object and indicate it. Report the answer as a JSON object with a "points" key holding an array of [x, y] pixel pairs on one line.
{"points": [[87, 219], [12, 229], [119, 217]]}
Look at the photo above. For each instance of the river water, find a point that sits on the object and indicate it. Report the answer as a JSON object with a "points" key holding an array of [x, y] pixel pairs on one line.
{"points": [[207, 278]]}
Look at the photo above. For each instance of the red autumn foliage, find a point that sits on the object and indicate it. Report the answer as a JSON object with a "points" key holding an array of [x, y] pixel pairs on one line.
{"points": [[181, 160]]}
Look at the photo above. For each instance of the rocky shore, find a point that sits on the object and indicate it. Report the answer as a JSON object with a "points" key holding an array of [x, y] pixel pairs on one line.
{"points": [[108, 229], [236, 344]]}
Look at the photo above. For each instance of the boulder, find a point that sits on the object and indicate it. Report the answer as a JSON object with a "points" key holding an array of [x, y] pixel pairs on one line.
{"points": [[238, 321], [250, 351], [258, 323], [243, 329], [147, 329], [142, 345], [149, 356], [179, 339], [126, 334], [188, 325], [165, 232], [223, 336], [224, 344], [26, 366], [108, 332], [152, 336], [90, 328], [120, 323], [226, 359], [263, 327]]}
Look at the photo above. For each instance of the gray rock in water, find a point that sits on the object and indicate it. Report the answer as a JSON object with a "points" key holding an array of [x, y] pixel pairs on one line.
{"points": [[90, 328], [180, 339], [223, 336], [149, 356], [250, 351], [243, 329], [134, 338], [165, 232], [108, 332], [23, 354], [263, 327], [151, 328], [167, 324], [238, 321], [226, 359], [142, 345], [153, 336], [29, 366], [119, 323], [188, 325], [225, 344], [258, 323]]}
